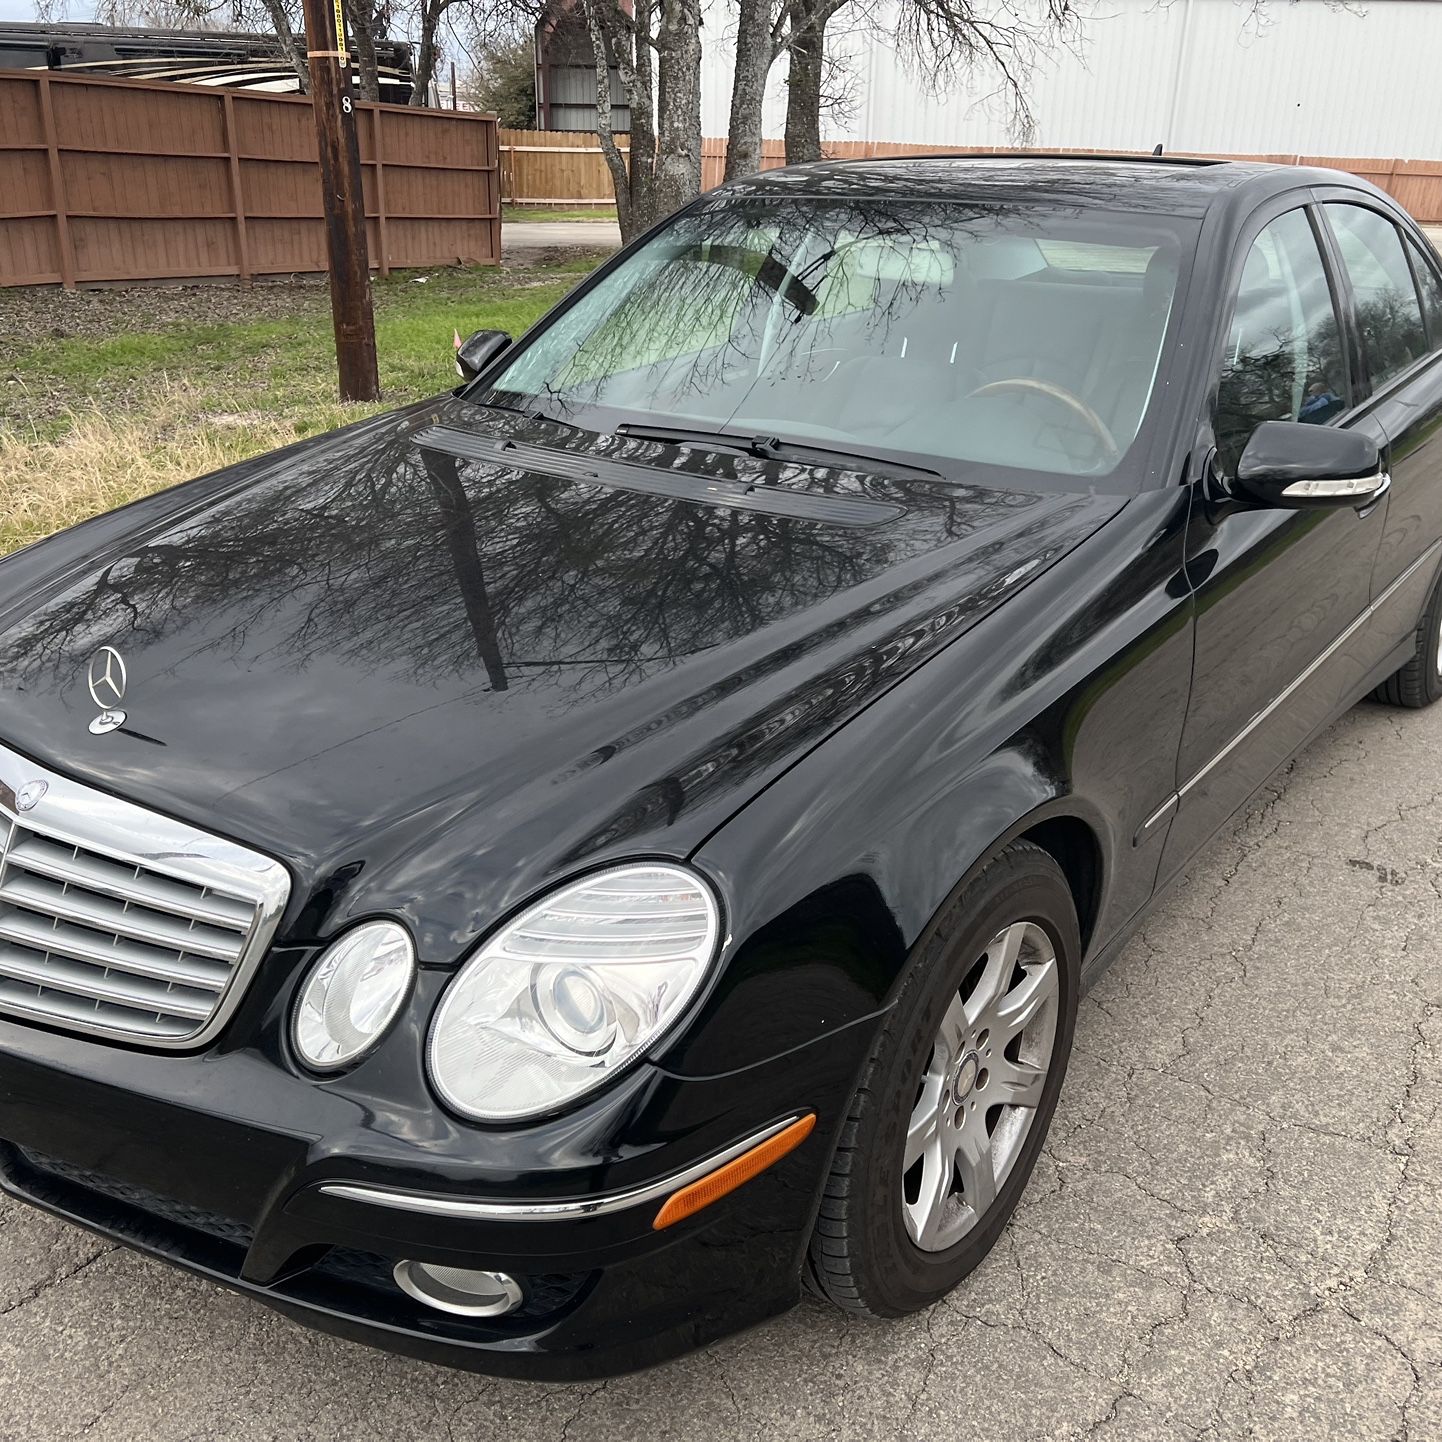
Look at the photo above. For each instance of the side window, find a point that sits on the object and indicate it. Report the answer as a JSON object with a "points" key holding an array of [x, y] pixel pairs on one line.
{"points": [[1431, 289], [1388, 314], [1284, 359]]}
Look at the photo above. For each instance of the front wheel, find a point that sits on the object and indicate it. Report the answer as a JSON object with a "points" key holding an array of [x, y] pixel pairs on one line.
{"points": [[958, 1094], [1419, 682]]}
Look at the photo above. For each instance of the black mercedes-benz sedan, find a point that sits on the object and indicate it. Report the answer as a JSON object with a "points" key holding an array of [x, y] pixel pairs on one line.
{"points": [[537, 879]]}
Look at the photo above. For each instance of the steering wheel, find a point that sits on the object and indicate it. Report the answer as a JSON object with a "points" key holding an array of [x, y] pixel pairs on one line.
{"points": [[1062, 396]]}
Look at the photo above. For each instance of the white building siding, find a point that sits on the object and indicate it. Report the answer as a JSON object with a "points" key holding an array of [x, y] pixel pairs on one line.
{"points": [[1194, 74]]}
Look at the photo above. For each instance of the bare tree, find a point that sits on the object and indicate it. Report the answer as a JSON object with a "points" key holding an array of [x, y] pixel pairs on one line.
{"points": [[470, 26], [656, 53], [951, 39], [759, 27], [765, 31], [804, 79], [366, 21], [289, 31], [943, 39]]}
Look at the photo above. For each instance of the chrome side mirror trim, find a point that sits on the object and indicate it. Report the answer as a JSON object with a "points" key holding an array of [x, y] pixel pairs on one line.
{"points": [[1354, 488]]}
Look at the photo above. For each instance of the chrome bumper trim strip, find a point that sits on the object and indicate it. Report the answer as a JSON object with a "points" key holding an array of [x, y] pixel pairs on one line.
{"points": [[479, 1209]]}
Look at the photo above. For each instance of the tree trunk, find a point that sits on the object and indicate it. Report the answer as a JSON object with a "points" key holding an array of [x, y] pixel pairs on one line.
{"points": [[294, 50], [615, 161], [678, 115], [755, 49], [634, 63], [665, 147], [803, 87], [362, 26], [427, 52]]}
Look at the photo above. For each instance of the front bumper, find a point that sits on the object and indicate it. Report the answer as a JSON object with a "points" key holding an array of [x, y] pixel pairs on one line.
{"points": [[237, 1169]]}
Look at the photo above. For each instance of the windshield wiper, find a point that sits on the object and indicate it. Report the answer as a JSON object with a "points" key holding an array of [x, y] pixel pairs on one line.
{"points": [[689, 436], [773, 448]]}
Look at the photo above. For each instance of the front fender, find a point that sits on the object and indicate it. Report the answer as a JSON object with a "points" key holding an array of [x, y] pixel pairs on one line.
{"points": [[832, 960], [1066, 704]]}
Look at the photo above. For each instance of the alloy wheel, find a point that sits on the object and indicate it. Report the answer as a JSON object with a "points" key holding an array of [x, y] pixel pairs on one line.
{"points": [[982, 1086]]}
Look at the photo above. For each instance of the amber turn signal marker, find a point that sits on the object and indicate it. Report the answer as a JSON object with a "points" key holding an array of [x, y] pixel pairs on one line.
{"points": [[690, 1200]]}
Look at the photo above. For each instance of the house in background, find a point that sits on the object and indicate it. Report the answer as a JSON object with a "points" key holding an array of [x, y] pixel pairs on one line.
{"points": [[566, 73]]}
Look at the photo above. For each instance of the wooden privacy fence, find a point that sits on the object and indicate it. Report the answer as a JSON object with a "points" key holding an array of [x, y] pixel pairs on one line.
{"points": [[105, 180], [561, 168], [548, 167]]}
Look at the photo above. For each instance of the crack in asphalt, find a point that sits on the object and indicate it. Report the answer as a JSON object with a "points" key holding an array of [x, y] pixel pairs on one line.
{"points": [[56, 1279]]}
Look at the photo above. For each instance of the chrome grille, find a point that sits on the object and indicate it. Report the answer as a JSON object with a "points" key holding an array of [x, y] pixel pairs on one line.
{"points": [[120, 922]]}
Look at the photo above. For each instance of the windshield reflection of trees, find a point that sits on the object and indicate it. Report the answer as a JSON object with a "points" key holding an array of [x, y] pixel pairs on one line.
{"points": [[776, 297]]}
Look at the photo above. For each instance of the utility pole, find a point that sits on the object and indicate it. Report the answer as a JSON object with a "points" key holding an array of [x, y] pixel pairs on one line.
{"points": [[345, 222]]}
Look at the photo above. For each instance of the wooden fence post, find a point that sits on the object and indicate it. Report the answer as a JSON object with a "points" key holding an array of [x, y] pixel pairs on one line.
{"points": [[383, 260], [237, 193], [1390, 184], [57, 186]]}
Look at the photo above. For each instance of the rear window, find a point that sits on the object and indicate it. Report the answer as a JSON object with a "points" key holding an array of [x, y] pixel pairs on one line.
{"points": [[1388, 312], [1431, 290]]}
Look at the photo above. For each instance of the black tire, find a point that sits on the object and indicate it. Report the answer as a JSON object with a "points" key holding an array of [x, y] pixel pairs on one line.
{"points": [[862, 1256], [1419, 682]]}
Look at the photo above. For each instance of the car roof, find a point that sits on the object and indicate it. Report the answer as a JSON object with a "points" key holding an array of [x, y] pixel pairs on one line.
{"points": [[1158, 185]]}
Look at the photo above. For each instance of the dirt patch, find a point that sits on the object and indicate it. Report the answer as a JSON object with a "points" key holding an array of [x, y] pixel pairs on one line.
{"points": [[34, 314]]}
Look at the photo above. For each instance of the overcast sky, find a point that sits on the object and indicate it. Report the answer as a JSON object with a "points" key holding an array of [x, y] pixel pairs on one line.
{"points": [[16, 10]]}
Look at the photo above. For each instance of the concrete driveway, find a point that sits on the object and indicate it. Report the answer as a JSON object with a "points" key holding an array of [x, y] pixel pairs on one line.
{"points": [[1236, 1230], [532, 235]]}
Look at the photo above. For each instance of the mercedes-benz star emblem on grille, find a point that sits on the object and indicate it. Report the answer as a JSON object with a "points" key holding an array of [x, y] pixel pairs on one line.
{"points": [[106, 679], [27, 798]]}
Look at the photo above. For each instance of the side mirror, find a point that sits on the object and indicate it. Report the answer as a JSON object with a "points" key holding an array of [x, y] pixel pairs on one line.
{"points": [[478, 350], [1292, 464]]}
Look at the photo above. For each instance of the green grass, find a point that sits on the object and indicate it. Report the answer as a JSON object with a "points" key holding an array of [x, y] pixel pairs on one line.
{"points": [[286, 366], [541, 212], [97, 420]]}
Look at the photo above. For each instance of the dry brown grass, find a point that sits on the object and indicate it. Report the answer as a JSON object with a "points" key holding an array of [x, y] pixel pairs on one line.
{"points": [[102, 460], [108, 396]]}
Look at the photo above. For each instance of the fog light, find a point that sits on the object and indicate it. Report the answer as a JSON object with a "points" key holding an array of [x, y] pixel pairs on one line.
{"points": [[459, 1289]]}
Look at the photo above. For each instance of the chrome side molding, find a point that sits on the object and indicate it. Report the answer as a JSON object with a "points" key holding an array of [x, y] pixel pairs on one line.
{"points": [[1300, 680]]}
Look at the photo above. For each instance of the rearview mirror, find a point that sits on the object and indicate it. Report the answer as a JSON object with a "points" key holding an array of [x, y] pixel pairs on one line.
{"points": [[1289, 463], [478, 350]]}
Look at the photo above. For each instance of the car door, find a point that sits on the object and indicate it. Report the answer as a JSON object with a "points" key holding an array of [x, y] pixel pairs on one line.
{"points": [[1397, 299], [1276, 591]]}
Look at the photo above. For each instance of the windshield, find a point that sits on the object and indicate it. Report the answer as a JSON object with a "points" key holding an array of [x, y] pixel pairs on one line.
{"points": [[1025, 337]]}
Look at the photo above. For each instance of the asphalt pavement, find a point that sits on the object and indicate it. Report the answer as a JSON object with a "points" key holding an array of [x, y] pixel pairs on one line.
{"points": [[1235, 1230]]}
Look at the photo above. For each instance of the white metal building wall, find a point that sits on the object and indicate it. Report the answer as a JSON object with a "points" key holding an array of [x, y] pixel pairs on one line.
{"points": [[1194, 74]]}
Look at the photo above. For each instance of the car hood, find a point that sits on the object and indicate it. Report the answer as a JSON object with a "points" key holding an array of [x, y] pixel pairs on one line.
{"points": [[433, 677]]}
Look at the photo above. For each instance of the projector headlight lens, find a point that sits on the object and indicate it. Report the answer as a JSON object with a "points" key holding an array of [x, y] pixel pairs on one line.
{"points": [[353, 994], [572, 990]]}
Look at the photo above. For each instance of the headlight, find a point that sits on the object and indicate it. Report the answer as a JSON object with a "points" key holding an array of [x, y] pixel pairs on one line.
{"points": [[353, 994], [558, 1001]]}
